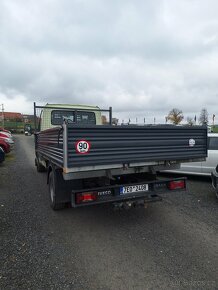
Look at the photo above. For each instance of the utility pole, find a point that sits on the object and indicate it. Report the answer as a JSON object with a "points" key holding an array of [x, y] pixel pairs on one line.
{"points": [[3, 119], [166, 119], [213, 118]]}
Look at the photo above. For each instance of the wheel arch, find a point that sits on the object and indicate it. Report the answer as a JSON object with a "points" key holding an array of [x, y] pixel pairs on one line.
{"points": [[50, 169], [3, 147]]}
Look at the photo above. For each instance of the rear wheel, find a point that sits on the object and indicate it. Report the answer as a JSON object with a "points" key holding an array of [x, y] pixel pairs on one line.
{"points": [[56, 190]]}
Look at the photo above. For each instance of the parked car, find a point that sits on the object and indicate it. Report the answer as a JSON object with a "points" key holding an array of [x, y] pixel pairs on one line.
{"points": [[27, 133], [4, 130], [6, 134], [10, 142], [204, 167], [8, 139], [2, 155], [4, 145]]}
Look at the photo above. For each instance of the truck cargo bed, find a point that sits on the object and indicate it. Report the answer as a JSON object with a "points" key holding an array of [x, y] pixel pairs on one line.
{"points": [[123, 145]]}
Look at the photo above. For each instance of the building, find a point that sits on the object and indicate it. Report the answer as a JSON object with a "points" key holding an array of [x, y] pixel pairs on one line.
{"points": [[12, 117], [12, 121], [28, 118]]}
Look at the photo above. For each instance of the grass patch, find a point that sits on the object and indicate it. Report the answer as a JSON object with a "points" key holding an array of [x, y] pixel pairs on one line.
{"points": [[215, 129], [10, 157]]}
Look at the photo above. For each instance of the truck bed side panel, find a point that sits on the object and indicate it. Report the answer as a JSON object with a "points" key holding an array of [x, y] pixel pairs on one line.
{"points": [[49, 144]]}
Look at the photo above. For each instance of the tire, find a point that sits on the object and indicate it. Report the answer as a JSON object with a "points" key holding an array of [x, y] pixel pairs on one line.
{"points": [[55, 190], [39, 166]]}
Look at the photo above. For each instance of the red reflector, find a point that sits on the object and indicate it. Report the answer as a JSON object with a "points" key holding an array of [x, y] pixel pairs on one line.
{"points": [[86, 197], [178, 184]]}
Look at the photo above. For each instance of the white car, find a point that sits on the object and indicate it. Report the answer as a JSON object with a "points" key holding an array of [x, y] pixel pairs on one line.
{"points": [[205, 167]]}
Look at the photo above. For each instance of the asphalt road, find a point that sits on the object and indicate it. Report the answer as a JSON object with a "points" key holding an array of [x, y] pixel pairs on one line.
{"points": [[172, 244]]}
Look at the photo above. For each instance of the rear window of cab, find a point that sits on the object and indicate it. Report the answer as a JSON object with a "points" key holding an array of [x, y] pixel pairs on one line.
{"points": [[80, 117]]}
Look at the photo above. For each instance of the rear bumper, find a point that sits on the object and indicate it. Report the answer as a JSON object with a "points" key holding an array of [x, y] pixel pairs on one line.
{"points": [[111, 194]]}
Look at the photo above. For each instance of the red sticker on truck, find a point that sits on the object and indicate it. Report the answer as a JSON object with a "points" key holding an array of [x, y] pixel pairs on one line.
{"points": [[82, 147]]}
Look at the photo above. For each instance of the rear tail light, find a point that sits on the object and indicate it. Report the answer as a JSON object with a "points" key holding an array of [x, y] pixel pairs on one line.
{"points": [[177, 184], [86, 197]]}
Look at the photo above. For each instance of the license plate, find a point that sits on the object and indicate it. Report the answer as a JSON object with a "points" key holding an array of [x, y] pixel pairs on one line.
{"points": [[133, 188]]}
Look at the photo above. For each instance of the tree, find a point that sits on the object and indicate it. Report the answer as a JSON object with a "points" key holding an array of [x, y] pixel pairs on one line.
{"points": [[104, 119], [190, 121], [203, 119], [175, 116]]}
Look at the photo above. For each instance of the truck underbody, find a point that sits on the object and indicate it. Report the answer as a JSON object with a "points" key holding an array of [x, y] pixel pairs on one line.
{"points": [[123, 191]]}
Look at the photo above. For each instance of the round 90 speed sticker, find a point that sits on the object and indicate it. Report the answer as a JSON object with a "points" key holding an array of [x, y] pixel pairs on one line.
{"points": [[82, 147]]}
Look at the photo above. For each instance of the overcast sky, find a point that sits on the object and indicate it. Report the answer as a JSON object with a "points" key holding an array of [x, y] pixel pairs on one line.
{"points": [[143, 58]]}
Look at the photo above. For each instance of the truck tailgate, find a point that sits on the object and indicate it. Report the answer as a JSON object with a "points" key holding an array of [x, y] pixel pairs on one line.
{"points": [[111, 145], [135, 144]]}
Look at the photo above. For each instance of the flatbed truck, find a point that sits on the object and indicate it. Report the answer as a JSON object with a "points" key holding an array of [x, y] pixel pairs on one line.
{"points": [[90, 163]]}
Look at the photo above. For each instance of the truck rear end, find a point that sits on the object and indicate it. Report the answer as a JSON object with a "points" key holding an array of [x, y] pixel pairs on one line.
{"points": [[93, 164]]}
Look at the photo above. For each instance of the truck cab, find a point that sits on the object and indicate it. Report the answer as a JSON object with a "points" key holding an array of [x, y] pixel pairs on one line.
{"points": [[53, 115]]}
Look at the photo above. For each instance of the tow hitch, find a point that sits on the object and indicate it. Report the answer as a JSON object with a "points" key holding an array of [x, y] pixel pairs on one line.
{"points": [[136, 203]]}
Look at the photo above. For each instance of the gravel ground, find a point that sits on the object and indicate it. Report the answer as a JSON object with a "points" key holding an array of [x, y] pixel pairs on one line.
{"points": [[170, 245]]}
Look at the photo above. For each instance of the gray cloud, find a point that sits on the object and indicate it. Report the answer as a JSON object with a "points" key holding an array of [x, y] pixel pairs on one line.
{"points": [[141, 57]]}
